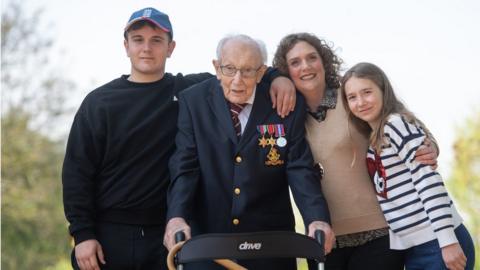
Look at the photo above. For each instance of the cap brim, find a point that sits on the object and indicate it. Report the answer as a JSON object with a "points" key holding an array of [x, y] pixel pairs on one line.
{"points": [[146, 19]]}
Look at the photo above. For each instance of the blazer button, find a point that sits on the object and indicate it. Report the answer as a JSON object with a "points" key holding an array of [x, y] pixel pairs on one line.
{"points": [[237, 191], [235, 221], [238, 159]]}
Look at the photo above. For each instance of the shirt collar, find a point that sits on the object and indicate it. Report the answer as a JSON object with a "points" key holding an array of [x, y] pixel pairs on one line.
{"points": [[329, 101]]}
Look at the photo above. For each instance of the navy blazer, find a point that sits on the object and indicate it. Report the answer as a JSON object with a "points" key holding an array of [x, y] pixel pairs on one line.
{"points": [[221, 184]]}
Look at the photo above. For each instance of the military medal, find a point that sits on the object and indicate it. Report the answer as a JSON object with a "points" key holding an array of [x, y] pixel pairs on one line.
{"points": [[271, 130], [273, 157], [262, 141], [281, 141], [280, 133]]}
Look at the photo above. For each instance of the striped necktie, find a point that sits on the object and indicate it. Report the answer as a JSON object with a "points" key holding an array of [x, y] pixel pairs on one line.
{"points": [[235, 110]]}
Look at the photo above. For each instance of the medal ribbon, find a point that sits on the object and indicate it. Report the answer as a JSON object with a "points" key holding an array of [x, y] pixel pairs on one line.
{"points": [[279, 130], [271, 129], [261, 129]]}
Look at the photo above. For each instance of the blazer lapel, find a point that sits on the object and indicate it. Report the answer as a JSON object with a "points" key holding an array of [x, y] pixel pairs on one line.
{"points": [[261, 109], [217, 102]]}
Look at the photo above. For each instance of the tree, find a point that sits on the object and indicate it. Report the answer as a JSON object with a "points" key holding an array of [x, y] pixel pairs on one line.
{"points": [[27, 80], [465, 180], [34, 230]]}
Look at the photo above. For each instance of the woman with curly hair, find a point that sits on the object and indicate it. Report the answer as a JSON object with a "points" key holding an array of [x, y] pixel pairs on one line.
{"points": [[362, 240]]}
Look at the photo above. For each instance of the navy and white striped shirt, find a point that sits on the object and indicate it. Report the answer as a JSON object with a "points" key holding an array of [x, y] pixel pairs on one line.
{"points": [[412, 196]]}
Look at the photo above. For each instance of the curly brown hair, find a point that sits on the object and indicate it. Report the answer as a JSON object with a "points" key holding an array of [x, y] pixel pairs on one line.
{"points": [[331, 61]]}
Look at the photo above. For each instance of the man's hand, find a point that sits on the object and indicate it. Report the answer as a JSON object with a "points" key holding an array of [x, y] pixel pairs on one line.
{"points": [[283, 95], [329, 235], [86, 254], [454, 257], [175, 225], [427, 154]]}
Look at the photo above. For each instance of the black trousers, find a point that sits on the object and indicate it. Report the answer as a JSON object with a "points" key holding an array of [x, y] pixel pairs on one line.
{"points": [[130, 247], [373, 255]]}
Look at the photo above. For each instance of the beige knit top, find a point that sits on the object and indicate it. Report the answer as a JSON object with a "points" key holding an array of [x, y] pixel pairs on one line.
{"points": [[348, 189]]}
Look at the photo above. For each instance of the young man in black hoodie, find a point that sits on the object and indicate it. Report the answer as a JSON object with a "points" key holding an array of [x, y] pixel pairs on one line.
{"points": [[115, 172]]}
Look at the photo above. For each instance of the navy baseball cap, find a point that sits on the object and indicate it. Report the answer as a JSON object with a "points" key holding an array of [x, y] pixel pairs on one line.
{"points": [[154, 16]]}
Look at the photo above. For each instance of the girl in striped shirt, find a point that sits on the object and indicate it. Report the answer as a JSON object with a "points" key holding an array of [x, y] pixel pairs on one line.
{"points": [[421, 216]]}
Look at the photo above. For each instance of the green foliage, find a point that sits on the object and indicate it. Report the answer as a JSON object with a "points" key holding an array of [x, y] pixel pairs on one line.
{"points": [[61, 265], [34, 230], [464, 183]]}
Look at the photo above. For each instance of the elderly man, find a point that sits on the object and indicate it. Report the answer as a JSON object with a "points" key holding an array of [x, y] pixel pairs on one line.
{"points": [[236, 158]]}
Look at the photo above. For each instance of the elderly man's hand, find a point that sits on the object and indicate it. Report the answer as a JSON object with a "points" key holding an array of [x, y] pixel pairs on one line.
{"points": [[329, 235], [283, 95], [427, 154], [86, 254], [175, 225]]}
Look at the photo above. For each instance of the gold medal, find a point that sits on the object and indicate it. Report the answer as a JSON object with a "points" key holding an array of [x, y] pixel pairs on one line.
{"points": [[262, 129], [263, 142], [271, 141]]}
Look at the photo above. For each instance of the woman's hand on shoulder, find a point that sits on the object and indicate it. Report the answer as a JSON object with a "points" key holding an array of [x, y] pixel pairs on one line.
{"points": [[427, 154], [283, 95]]}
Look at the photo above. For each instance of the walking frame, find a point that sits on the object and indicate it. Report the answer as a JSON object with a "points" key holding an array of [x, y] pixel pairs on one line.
{"points": [[225, 248]]}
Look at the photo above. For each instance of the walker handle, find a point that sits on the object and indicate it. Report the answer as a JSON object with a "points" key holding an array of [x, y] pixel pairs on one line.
{"points": [[179, 236], [320, 237]]}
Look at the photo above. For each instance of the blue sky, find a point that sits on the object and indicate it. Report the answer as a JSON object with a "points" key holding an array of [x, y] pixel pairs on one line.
{"points": [[428, 48]]}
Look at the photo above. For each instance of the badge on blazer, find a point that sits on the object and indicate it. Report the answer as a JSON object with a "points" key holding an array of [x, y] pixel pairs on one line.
{"points": [[272, 135], [273, 157]]}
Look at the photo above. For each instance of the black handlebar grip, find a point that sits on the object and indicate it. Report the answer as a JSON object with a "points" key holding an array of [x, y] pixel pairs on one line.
{"points": [[179, 236], [320, 237]]}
